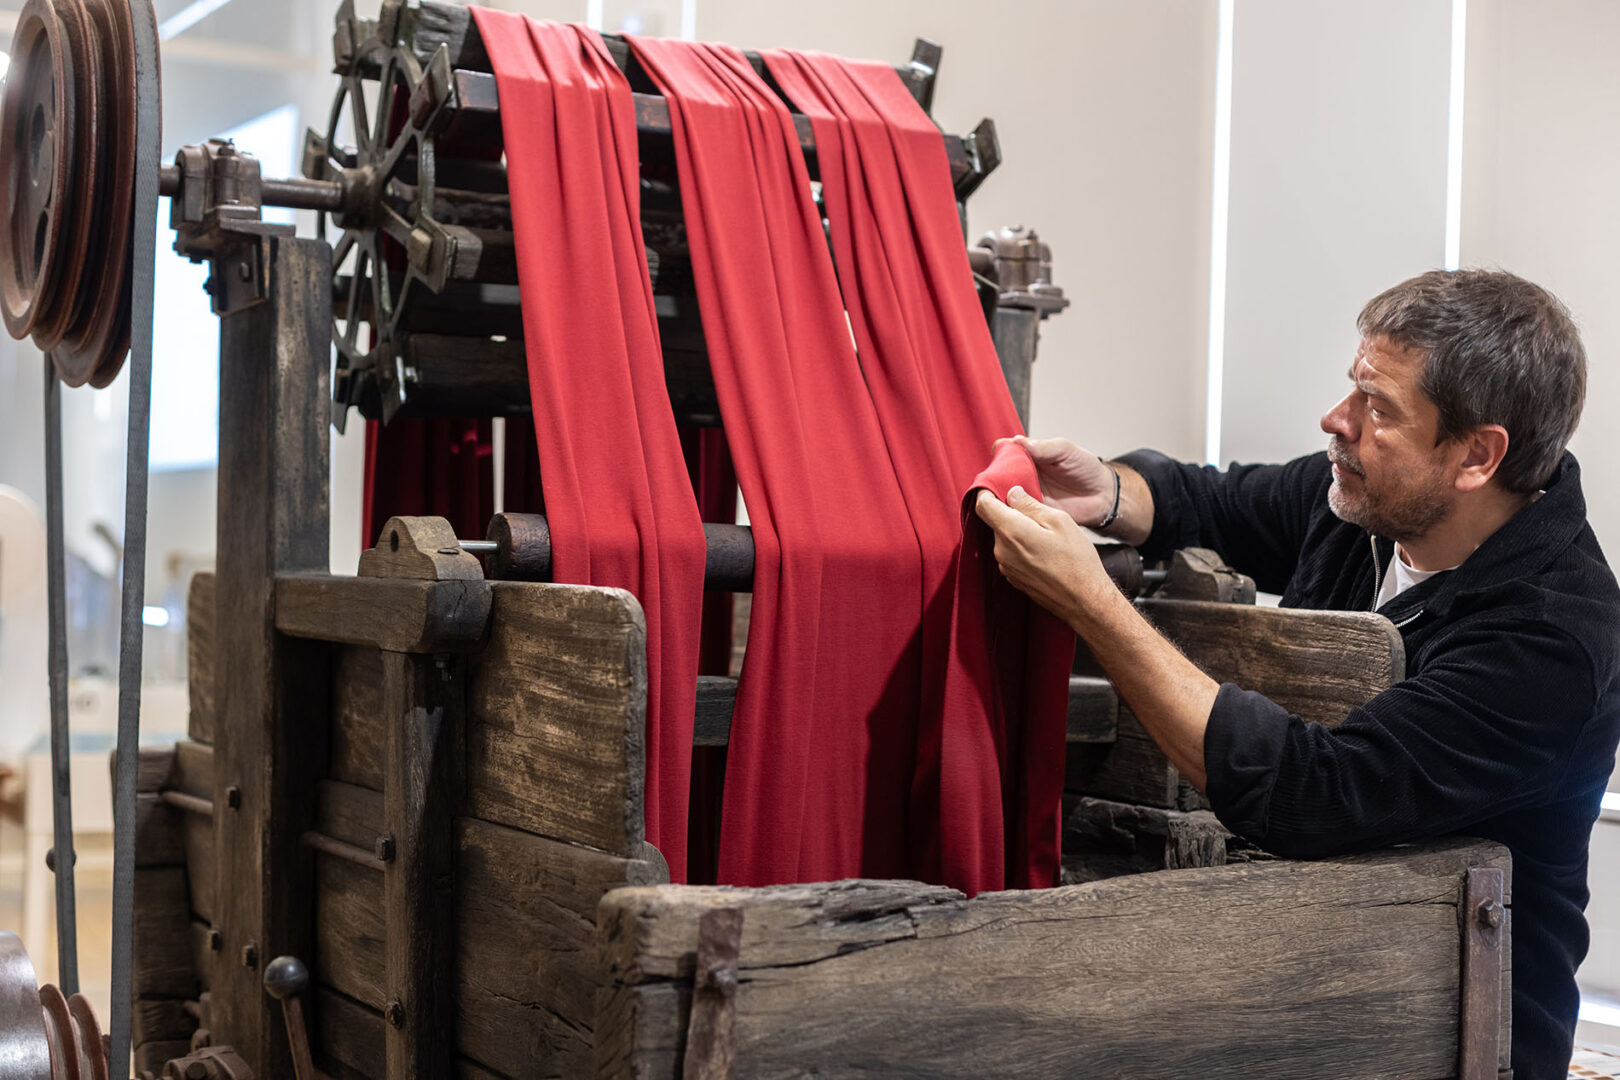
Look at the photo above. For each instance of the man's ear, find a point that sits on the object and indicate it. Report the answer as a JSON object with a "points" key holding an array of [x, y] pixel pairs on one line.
{"points": [[1483, 450]]}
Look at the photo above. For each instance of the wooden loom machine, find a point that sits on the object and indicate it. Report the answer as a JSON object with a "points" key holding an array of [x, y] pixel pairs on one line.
{"points": [[405, 836]]}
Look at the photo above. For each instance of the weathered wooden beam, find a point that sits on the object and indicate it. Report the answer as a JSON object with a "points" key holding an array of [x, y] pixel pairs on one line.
{"points": [[525, 975], [397, 615], [424, 711], [1093, 710], [1319, 664], [269, 733], [200, 623], [1104, 839], [557, 712], [357, 717], [1230, 972]]}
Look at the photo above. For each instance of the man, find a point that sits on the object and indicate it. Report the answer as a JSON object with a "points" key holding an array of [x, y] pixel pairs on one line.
{"points": [[1447, 502]]}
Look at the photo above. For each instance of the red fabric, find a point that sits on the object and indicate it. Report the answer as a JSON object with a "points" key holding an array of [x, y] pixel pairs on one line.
{"points": [[820, 751], [991, 749], [444, 468], [615, 487]]}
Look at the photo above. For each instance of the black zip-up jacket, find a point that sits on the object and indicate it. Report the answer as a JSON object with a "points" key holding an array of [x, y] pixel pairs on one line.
{"points": [[1504, 728]]}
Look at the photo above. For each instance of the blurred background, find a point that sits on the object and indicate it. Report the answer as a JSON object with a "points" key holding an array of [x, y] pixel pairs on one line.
{"points": [[1223, 183]]}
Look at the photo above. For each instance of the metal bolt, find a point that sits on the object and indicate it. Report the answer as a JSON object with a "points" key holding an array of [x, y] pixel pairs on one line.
{"points": [[216, 941], [1490, 914], [244, 271], [50, 859], [233, 797], [395, 1014], [250, 955], [384, 848], [196, 1070]]}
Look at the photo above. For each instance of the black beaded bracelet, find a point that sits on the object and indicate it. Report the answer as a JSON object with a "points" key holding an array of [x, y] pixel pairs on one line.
{"points": [[1113, 515]]}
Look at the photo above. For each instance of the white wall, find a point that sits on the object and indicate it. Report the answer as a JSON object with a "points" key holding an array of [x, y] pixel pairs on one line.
{"points": [[1104, 110], [1337, 192]]}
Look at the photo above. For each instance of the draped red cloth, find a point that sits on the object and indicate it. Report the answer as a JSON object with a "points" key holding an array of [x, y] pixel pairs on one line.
{"points": [[901, 709], [615, 487], [990, 760], [819, 758]]}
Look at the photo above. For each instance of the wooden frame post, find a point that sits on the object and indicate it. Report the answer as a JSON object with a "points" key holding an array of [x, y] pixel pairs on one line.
{"points": [[275, 347]]}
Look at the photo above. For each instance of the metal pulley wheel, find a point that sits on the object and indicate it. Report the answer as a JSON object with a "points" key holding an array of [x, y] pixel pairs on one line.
{"points": [[68, 124], [43, 1035]]}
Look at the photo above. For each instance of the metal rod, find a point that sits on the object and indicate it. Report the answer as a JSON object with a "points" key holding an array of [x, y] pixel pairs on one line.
{"points": [[302, 194], [148, 141], [342, 849], [191, 804], [67, 937], [296, 193], [480, 547], [519, 549]]}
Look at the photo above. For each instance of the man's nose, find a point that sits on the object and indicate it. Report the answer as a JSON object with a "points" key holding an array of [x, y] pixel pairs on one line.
{"points": [[1340, 420]]}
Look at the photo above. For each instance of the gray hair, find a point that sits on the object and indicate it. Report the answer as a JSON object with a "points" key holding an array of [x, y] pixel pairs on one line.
{"points": [[1497, 350]]}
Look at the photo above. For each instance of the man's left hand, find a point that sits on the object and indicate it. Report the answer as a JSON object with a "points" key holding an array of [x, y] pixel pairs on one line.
{"points": [[1042, 552]]}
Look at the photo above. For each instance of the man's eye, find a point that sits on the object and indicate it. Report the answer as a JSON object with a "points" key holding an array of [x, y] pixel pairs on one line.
{"points": [[1375, 412]]}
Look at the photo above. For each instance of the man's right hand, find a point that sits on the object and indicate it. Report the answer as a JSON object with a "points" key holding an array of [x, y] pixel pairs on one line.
{"points": [[1073, 480], [1077, 482]]}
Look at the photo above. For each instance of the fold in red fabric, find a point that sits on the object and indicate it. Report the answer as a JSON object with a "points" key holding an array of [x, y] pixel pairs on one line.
{"points": [[989, 776], [819, 759], [440, 467], [617, 496]]}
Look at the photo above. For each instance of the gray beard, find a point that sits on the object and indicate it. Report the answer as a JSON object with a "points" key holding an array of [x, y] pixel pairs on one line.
{"points": [[1406, 519]]}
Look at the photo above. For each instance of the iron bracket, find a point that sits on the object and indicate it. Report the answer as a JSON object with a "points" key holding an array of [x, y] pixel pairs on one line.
{"points": [[1481, 1025], [710, 1044]]}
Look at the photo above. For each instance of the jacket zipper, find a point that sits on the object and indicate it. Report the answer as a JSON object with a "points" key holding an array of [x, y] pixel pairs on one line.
{"points": [[1378, 572], [1378, 585]]}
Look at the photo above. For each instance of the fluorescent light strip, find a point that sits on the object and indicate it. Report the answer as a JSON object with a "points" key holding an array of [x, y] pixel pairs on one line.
{"points": [[1220, 198], [187, 17], [688, 20], [1454, 134], [594, 14]]}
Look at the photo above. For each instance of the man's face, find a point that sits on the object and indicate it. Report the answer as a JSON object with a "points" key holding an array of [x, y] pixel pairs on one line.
{"points": [[1389, 477]]}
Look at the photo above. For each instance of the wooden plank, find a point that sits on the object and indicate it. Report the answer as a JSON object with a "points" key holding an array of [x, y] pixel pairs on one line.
{"points": [[1093, 717], [393, 614], [1218, 972], [557, 708], [199, 940], [1319, 664], [350, 936], [1130, 769], [200, 622], [1105, 839], [527, 968], [357, 716], [162, 958], [269, 734], [157, 833], [193, 769], [153, 765], [348, 1033], [152, 1056], [424, 707], [194, 775], [349, 813], [161, 1020]]}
